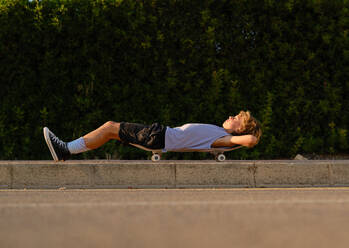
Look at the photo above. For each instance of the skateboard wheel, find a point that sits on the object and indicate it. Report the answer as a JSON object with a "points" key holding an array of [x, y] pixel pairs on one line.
{"points": [[155, 157], [220, 157]]}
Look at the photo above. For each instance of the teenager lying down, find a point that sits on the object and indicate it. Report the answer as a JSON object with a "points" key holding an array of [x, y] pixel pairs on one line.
{"points": [[242, 129]]}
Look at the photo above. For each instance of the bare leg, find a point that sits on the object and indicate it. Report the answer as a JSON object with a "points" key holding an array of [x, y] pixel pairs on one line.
{"points": [[106, 132]]}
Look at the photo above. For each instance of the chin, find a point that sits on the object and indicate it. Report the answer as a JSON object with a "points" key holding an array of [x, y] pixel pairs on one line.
{"points": [[226, 128]]}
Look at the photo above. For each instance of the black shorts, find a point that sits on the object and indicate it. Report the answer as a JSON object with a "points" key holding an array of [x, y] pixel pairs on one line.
{"points": [[152, 137]]}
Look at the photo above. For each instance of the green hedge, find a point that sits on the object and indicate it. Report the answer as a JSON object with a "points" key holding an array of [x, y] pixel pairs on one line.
{"points": [[72, 65]]}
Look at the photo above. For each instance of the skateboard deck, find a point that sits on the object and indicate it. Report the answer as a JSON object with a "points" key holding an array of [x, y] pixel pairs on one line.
{"points": [[217, 152]]}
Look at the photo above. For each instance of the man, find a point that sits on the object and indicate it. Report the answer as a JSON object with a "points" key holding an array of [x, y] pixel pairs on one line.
{"points": [[242, 129]]}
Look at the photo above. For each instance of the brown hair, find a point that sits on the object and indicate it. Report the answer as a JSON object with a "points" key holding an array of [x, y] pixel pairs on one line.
{"points": [[250, 125]]}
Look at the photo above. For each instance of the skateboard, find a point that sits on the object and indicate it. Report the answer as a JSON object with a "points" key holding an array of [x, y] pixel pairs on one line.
{"points": [[217, 152]]}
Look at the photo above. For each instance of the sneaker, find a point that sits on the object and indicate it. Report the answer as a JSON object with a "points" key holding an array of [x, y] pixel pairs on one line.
{"points": [[58, 148]]}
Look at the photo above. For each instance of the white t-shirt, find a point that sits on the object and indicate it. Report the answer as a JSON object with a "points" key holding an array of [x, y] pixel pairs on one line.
{"points": [[192, 136]]}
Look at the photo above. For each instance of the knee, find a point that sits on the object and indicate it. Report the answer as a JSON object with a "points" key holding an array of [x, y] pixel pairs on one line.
{"points": [[113, 128]]}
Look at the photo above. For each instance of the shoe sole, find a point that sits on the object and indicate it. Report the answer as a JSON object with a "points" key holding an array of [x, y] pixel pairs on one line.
{"points": [[49, 144]]}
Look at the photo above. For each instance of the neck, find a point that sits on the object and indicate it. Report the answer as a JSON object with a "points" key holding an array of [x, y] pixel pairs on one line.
{"points": [[228, 130]]}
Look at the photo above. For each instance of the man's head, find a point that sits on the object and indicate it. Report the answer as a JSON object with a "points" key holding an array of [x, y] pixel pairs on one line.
{"points": [[242, 124]]}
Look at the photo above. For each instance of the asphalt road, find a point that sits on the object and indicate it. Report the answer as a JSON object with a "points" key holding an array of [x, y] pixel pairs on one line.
{"points": [[311, 217]]}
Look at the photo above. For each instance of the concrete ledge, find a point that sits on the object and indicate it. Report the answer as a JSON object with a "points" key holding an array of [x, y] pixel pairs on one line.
{"points": [[213, 174], [290, 173], [172, 174]]}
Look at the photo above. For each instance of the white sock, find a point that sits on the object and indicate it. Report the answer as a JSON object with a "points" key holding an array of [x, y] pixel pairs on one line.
{"points": [[77, 146]]}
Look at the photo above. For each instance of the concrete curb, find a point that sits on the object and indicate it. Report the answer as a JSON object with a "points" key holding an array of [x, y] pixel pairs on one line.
{"points": [[173, 174]]}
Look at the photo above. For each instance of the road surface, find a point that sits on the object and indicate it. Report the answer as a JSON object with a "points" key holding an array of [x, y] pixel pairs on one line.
{"points": [[163, 218]]}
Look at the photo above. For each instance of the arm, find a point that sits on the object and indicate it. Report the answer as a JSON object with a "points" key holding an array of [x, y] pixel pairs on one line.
{"points": [[244, 140]]}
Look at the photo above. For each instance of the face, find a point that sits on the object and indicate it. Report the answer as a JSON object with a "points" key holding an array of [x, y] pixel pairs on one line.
{"points": [[233, 124]]}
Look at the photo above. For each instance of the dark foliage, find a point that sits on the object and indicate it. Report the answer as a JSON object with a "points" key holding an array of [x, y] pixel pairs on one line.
{"points": [[72, 65]]}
